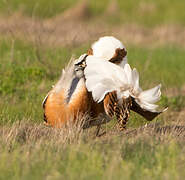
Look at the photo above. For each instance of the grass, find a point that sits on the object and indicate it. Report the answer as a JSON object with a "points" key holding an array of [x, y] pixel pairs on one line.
{"points": [[146, 150], [39, 8], [150, 155], [164, 64], [144, 12]]}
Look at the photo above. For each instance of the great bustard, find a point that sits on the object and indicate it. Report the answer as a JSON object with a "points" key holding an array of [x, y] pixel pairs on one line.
{"points": [[99, 82]]}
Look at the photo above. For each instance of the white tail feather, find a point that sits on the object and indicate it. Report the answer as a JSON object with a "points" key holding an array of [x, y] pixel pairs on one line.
{"points": [[151, 95]]}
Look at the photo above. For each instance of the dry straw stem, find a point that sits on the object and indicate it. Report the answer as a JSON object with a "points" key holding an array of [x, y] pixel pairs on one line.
{"points": [[163, 133], [25, 132]]}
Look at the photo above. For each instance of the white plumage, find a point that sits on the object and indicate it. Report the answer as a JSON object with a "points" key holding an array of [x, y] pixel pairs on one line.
{"points": [[103, 77]]}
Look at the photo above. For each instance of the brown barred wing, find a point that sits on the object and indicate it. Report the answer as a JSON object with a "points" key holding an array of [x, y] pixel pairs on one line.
{"points": [[120, 111], [123, 113], [110, 103]]}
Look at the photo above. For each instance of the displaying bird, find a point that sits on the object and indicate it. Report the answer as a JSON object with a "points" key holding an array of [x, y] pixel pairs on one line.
{"points": [[85, 88]]}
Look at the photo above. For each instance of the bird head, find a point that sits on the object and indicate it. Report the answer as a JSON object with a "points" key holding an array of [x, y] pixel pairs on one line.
{"points": [[109, 48], [79, 65]]}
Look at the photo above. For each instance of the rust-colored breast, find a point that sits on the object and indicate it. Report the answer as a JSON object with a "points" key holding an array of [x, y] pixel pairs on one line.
{"points": [[58, 112], [80, 103], [55, 110]]}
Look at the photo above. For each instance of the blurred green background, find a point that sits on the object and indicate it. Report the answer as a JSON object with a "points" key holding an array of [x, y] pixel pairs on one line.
{"points": [[145, 12]]}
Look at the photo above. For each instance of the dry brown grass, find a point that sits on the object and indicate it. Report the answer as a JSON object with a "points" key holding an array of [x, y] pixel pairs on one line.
{"points": [[35, 150], [26, 132], [66, 30]]}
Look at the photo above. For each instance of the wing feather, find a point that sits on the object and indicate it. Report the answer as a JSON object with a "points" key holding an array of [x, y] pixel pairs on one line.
{"points": [[102, 77]]}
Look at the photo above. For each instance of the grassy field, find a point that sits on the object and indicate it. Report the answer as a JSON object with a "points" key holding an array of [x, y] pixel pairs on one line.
{"points": [[145, 12], [38, 38]]}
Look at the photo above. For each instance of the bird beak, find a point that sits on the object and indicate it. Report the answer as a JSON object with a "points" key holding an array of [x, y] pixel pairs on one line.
{"points": [[79, 67]]}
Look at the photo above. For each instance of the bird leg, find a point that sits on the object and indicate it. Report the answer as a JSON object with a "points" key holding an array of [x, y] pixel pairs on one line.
{"points": [[101, 119], [98, 130]]}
